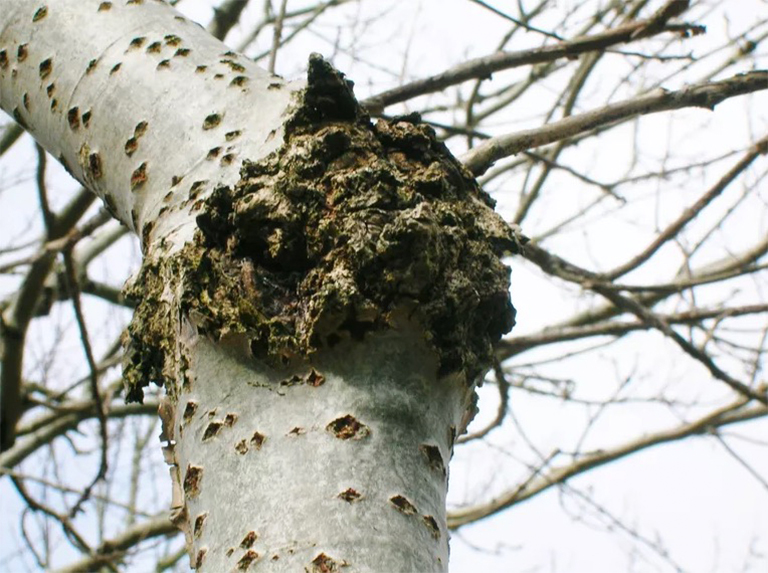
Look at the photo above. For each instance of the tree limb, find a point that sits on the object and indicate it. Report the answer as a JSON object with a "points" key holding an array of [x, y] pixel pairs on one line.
{"points": [[729, 414], [706, 95], [485, 66]]}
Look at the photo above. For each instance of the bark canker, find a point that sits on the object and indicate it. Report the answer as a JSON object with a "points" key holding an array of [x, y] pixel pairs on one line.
{"points": [[345, 228]]}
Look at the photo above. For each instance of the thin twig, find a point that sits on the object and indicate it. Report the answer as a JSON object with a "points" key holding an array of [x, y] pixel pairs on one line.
{"points": [[705, 95], [485, 66], [74, 292], [63, 520], [112, 550], [501, 412], [276, 36], [732, 413]]}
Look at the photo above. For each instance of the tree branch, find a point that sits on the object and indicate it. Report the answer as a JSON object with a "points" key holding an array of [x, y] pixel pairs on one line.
{"points": [[706, 95], [485, 66], [115, 549], [729, 414], [594, 282]]}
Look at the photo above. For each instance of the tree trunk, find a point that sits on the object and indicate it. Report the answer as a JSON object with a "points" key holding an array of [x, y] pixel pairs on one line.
{"points": [[319, 294]]}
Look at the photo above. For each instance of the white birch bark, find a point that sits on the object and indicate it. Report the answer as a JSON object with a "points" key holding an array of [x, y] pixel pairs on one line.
{"points": [[329, 449], [142, 105]]}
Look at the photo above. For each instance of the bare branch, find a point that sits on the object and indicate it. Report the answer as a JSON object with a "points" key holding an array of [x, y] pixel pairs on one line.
{"points": [[112, 551], [485, 66], [572, 273], [225, 17], [706, 95], [727, 415]]}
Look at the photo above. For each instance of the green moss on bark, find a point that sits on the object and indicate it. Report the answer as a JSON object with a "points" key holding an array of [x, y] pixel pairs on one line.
{"points": [[348, 226]]}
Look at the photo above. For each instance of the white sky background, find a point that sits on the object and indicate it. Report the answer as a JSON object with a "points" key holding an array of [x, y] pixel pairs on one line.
{"points": [[706, 509]]}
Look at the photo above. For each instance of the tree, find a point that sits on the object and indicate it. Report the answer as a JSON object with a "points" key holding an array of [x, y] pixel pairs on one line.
{"points": [[319, 294]]}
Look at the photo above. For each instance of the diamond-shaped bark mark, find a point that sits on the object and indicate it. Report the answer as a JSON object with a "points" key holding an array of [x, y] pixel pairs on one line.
{"points": [[19, 118], [86, 117], [197, 188], [239, 81], [189, 411], [192, 479], [350, 495], [348, 427], [40, 13], [241, 447], [73, 118], [431, 523], [212, 430], [115, 68], [233, 65], [230, 419], [403, 505], [92, 66], [230, 135], [146, 231], [325, 564], [140, 129], [182, 53], [200, 557], [164, 64], [314, 378], [46, 67], [131, 146], [297, 431], [246, 560], [434, 458], [25, 101], [3, 59], [136, 43], [257, 440], [197, 529], [211, 121], [248, 540], [139, 177], [154, 48], [22, 52], [104, 6], [94, 165]]}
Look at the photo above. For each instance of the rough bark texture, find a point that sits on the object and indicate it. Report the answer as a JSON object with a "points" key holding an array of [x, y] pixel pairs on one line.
{"points": [[319, 294], [324, 238], [339, 303]]}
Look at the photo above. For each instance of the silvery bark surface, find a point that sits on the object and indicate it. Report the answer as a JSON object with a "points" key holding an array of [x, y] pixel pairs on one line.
{"points": [[141, 105], [336, 455], [340, 464]]}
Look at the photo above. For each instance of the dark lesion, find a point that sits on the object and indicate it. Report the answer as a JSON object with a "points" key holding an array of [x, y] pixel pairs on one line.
{"points": [[345, 226]]}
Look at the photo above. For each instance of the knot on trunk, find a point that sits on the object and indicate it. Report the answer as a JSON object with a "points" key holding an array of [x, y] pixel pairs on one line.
{"points": [[346, 229]]}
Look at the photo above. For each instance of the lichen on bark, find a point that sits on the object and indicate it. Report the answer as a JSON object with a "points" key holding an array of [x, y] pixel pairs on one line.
{"points": [[348, 227]]}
